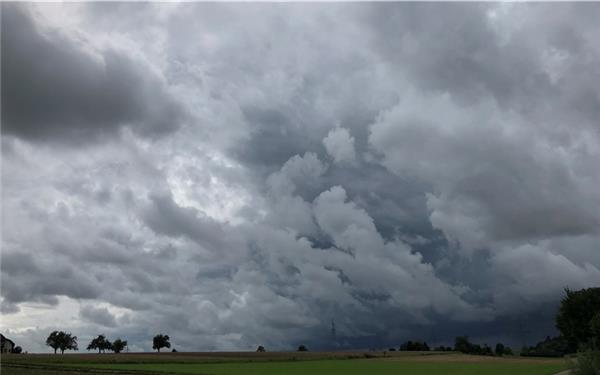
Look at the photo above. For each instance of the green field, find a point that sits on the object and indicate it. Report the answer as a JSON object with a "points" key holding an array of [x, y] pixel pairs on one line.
{"points": [[453, 364], [345, 367]]}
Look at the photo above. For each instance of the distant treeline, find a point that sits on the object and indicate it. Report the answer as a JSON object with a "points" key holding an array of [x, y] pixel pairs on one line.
{"points": [[461, 344], [550, 347], [578, 321]]}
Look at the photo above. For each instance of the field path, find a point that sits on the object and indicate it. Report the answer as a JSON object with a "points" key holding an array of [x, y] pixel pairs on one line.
{"points": [[565, 372]]}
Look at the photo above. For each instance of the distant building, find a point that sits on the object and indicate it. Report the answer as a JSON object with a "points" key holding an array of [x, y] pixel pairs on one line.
{"points": [[6, 345]]}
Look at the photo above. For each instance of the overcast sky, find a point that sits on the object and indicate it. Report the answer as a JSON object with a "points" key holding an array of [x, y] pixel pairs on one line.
{"points": [[236, 175]]}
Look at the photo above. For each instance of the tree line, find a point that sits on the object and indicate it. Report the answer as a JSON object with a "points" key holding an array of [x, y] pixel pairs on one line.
{"points": [[60, 340], [577, 320], [461, 344]]}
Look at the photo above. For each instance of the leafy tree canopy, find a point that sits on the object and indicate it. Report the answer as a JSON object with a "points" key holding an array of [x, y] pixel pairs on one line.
{"points": [[100, 343], [59, 340], [575, 315], [160, 341], [119, 345]]}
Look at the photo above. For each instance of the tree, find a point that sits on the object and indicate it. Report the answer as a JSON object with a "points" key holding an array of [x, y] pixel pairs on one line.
{"points": [[119, 345], [59, 340], [302, 348], [550, 347], [499, 349], [53, 341], [595, 330], [462, 344], [101, 343], [575, 314], [161, 341], [260, 349], [17, 350], [414, 346]]}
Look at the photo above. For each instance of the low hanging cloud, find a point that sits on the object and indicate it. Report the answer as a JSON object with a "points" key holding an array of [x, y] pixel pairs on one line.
{"points": [[98, 315], [61, 88]]}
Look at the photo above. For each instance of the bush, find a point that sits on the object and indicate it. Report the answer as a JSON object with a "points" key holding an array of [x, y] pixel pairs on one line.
{"points": [[588, 363], [414, 346], [302, 348], [550, 347]]}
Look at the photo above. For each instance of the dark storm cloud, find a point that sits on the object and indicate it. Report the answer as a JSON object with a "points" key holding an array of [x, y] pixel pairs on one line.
{"points": [[164, 216], [100, 316], [452, 47], [399, 176], [51, 280], [55, 88], [274, 139]]}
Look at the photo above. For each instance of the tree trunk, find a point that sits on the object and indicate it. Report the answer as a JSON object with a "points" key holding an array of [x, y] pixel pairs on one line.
{"points": [[158, 350], [54, 350], [62, 351]]}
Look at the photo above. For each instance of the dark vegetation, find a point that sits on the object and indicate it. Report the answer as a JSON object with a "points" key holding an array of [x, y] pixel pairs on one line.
{"points": [[575, 315], [161, 341], [59, 340], [550, 347], [100, 343], [578, 321], [414, 346], [463, 345]]}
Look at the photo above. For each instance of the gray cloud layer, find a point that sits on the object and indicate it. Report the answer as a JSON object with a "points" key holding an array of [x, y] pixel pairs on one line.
{"points": [[61, 87], [253, 171]]}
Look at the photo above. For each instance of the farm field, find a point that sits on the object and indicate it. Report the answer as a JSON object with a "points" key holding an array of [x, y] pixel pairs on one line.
{"points": [[278, 363]]}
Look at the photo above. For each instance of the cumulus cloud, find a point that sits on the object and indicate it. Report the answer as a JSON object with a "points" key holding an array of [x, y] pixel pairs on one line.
{"points": [[213, 200], [340, 145]]}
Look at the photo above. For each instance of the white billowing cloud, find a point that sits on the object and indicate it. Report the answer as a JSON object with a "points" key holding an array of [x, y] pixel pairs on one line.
{"points": [[288, 210], [492, 178], [298, 170], [350, 227], [387, 267], [340, 145]]}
